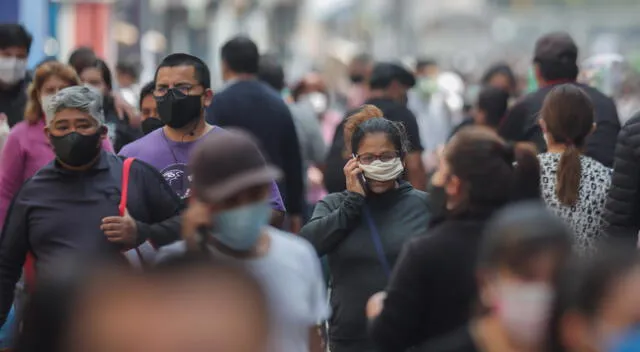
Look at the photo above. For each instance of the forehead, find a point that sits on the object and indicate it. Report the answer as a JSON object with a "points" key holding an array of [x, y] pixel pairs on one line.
{"points": [[13, 51], [375, 142], [149, 101], [71, 116], [176, 74]]}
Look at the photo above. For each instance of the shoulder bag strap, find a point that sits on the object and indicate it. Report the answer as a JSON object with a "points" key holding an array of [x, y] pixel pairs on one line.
{"points": [[377, 242], [133, 255]]}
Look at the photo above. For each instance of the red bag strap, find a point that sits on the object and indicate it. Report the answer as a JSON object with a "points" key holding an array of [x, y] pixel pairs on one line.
{"points": [[126, 168]]}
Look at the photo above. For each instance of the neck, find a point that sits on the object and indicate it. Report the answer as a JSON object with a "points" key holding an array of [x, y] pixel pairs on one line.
{"points": [[188, 133], [79, 168], [234, 76], [259, 250], [556, 148]]}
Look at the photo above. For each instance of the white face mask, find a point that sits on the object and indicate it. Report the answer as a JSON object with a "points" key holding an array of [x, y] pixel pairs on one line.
{"points": [[524, 309], [383, 171], [12, 70], [45, 101], [318, 102]]}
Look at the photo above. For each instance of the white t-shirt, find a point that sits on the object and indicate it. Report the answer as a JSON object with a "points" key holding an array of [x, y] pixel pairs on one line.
{"points": [[291, 276]]}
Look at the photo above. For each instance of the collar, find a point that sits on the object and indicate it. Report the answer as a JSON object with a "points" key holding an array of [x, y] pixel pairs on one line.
{"points": [[100, 165]]}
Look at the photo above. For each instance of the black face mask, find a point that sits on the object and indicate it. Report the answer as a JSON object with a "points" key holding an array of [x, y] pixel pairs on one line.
{"points": [[151, 124], [177, 110], [356, 78], [75, 149]]}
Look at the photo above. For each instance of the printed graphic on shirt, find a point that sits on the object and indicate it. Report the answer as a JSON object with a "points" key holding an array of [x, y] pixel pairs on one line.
{"points": [[178, 178]]}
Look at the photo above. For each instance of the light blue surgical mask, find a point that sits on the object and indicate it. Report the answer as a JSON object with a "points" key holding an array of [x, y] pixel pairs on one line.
{"points": [[240, 228]]}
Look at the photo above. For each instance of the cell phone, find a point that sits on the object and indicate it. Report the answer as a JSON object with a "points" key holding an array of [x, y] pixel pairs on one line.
{"points": [[362, 179]]}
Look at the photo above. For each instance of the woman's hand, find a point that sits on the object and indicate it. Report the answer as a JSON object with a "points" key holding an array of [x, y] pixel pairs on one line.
{"points": [[352, 172], [376, 304]]}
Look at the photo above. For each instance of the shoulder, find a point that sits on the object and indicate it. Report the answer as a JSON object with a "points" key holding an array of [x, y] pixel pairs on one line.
{"points": [[291, 248], [140, 146], [21, 127], [334, 199], [595, 167]]}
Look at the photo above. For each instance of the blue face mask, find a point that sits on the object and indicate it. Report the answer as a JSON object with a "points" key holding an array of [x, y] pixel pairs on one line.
{"points": [[240, 228], [627, 342]]}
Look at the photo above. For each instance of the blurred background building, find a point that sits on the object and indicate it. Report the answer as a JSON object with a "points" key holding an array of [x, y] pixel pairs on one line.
{"points": [[463, 35]]}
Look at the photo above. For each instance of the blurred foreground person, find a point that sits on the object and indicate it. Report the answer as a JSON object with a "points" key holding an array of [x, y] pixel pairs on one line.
{"points": [[27, 148], [622, 222], [228, 218], [72, 204], [597, 306], [555, 63], [98, 75], [186, 305], [247, 103], [521, 254], [359, 71], [502, 77], [434, 284], [362, 229], [574, 186], [149, 109], [15, 44], [182, 92]]}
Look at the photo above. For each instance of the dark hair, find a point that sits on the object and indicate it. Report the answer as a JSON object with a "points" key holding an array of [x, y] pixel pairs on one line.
{"points": [[568, 115], [514, 237], [493, 172], [369, 119], [271, 72], [14, 35], [586, 283], [553, 70], [494, 102], [241, 55], [500, 69], [102, 66], [128, 68], [424, 62], [81, 57], [202, 74], [147, 90]]}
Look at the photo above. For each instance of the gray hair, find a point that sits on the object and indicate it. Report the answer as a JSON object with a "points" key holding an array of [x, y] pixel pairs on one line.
{"points": [[85, 99]]}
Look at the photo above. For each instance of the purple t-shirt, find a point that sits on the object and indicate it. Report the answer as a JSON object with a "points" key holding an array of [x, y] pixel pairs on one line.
{"points": [[170, 158]]}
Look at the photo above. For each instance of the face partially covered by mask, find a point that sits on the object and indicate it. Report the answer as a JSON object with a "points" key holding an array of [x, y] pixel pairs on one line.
{"points": [[240, 228], [12, 70], [151, 124], [383, 171], [177, 109], [75, 149]]}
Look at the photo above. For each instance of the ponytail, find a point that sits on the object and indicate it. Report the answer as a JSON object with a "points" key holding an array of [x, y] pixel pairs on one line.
{"points": [[526, 183], [568, 180]]}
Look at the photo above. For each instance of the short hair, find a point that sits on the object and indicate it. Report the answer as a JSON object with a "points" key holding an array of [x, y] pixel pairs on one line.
{"points": [[499, 69], [102, 66], [14, 35], [128, 68], [271, 72], [494, 102], [85, 99], [202, 74], [81, 57], [241, 55], [553, 70], [34, 111], [147, 90]]}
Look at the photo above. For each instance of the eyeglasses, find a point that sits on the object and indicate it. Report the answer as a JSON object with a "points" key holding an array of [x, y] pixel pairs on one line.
{"points": [[183, 89], [368, 158]]}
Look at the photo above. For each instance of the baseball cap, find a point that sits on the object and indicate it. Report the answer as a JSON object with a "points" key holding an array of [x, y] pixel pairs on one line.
{"points": [[556, 46], [228, 162], [386, 72]]}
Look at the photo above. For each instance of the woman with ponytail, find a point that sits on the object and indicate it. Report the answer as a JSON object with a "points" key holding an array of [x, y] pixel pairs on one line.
{"points": [[361, 230], [574, 186], [434, 286]]}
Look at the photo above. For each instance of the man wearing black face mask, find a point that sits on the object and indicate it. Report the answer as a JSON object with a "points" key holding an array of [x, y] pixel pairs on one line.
{"points": [[182, 91], [149, 109], [72, 204]]}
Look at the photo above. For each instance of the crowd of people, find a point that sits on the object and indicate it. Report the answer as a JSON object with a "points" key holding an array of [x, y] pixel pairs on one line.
{"points": [[267, 216]]}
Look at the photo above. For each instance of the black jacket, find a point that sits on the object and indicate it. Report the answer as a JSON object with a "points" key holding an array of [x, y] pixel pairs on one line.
{"points": [[433, 286], [14, 101], [622, 210], [120, 130], [58, 212], [521, 123], [339, 229]]}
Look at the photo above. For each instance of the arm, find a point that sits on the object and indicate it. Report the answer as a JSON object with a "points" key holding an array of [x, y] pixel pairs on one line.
{"points": [[277, 207], [12, 164], [623, 200], [14, 247], [401, 323], [331, 223], [165, 208]]}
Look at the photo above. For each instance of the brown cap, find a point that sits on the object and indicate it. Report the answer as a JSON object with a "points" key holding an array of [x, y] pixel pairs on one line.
{"points": [[227, 162], [556, 46]]}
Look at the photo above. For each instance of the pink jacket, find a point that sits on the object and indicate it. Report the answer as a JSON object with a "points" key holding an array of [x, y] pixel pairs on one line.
{"points": [[25, 151]]}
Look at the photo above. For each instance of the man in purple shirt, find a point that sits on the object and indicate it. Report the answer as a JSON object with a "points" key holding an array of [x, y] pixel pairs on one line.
{"points": [[182, 91]]}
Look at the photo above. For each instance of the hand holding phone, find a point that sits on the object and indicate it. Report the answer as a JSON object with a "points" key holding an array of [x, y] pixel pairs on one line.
{"points": [[355, 180]]}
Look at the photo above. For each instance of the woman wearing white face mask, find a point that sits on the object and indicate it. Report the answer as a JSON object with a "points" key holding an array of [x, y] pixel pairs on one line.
{"points": [[362, 229], [518, 263]]}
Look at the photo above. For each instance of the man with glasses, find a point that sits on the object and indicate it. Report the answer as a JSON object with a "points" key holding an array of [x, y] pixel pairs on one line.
{"points": [[182, 92]]}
